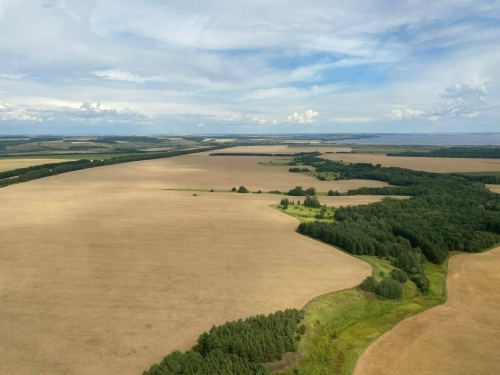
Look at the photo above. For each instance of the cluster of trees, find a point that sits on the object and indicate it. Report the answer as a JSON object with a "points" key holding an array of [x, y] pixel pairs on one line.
{"points": [[455, 152], [299, 192], [240, 347], [35, 172], [298, 170], [332, 193], [242, 189], [445, 213], [312, 201], [322, 213], [388, 288]]}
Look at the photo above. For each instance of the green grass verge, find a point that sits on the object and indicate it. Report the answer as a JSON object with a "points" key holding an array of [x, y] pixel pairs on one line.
{"points": [[341, 325], [304, 213]]}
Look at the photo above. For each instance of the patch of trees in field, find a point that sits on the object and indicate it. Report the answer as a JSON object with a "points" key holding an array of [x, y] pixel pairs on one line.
{"points": [[39, 171], [445, 213], [239, 347], [455, 152], [299, 192], [298, 170]]}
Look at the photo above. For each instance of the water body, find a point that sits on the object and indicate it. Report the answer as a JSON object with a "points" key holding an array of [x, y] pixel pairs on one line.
{"points": [[469, 139]]}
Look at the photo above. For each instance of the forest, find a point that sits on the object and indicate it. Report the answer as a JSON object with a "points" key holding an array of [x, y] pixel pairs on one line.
{"points": [[444, 213], [239, 347], [455, 152]]}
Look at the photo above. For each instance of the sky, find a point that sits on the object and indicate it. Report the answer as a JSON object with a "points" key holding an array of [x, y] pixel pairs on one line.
{"points": [[233, 67]]}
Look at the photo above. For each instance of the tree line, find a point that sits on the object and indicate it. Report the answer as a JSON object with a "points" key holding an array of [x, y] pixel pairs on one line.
{"points": [[238, 347], [454, 152], [39, 171]]}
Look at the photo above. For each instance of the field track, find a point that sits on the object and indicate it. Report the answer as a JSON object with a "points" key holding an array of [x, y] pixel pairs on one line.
{"points": [[103, 272], [459, 337]]}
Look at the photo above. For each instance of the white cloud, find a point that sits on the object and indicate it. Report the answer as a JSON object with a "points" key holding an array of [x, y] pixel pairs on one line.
{"points": [[300, 118], [404, 114], [246, 119], [220, 59], [85, 113], [9, 113], [201, 125], [463, 100]]}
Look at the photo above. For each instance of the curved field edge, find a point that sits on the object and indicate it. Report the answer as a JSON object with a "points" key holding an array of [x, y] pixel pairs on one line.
{"points": [[341, 325]]}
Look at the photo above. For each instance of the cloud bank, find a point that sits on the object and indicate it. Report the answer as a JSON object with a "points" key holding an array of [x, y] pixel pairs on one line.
{"points": [[254, 67]]}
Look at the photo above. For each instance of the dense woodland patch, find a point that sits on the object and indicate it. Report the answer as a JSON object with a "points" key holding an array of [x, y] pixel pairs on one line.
{"points": [[445, 213], [240, 347]]}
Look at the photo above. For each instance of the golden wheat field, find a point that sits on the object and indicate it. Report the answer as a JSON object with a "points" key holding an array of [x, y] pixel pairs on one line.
{"points": [[494, 188], [438, 165], [11, 163], [200, 171], [459, 337], [104, 272]]}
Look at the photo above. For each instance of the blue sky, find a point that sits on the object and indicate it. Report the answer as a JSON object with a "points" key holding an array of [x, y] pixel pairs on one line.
{"points": [[227, 66]]}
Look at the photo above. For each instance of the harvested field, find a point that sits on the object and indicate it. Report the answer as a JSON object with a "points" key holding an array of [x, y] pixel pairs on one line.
{"points": [[438, 165], [10, 163], [102, 272], [494, 188], [284, 149], [200, 171], [459, 337]]}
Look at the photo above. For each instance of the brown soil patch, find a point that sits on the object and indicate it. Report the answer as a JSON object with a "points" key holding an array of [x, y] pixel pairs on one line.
{"points": [[423, 164], [9, 163], [459, 337], [102, 272]]}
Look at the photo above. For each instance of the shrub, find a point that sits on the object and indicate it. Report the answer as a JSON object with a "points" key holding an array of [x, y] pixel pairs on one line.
{"points": [[259, 192], [399, 275], [311, 191], [242, 189], [302, 329], [285, 202], [233, 189], [421, 282], [369, 284], [298, 191], [332, 193], [311, 202], [390, 289]]}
